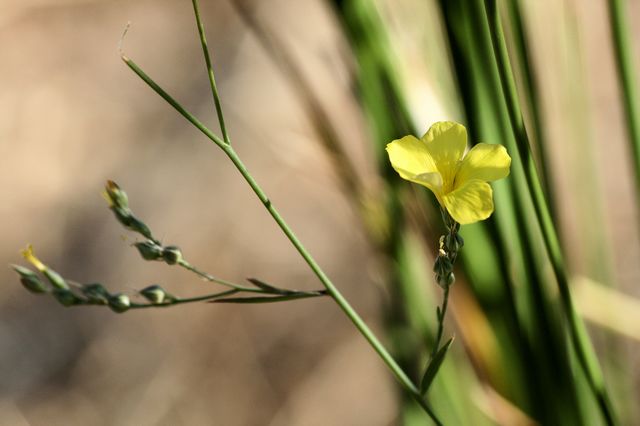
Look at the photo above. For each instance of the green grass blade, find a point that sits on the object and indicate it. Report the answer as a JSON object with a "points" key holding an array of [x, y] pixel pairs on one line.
{"points": [[626, 71], [579, 336]]}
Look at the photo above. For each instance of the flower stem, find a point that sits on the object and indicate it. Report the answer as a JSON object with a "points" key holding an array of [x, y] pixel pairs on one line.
{"points": [[185, 300], [441, 315], [212, 78]]}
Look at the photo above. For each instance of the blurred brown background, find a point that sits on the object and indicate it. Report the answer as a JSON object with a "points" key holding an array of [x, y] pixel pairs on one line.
{"points": [[73, 116]]}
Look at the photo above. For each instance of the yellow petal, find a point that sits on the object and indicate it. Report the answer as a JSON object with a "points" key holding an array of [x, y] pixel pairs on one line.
{"points": [[471, 202], [30, 256], [484, 161], [411, 159], [446, 142]]}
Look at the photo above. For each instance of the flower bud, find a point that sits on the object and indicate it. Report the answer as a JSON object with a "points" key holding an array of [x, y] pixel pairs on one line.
{"points": [[117, 197], [140, 227], [172, 255], [442, 265], [30, 279], [96, 293], [119, 303], [149, 250], [124, 216], [451, 243], [460, 241], [446, 280], [156, 294], [55, 279], [66, 297]]}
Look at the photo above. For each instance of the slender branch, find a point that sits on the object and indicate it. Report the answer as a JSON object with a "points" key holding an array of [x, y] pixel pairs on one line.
{"points": [[441, 316], [186, 265], [359, 323], [212, 79], [178, 301]]}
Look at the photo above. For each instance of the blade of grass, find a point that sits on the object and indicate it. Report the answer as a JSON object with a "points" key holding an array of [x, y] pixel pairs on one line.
{"points": [[580, 338], [627, 74]]}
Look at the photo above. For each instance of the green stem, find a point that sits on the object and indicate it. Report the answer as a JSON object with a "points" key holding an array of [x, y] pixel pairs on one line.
{"points": [[186, 265], [584, 350], [624, 61], [397, 371], [212, 79], [441, 315], [185, 300]]}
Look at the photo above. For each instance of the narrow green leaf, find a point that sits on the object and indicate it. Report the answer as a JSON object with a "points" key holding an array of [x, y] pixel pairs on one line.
{"points": [[269, 288], [434, 366], [267, 299]]}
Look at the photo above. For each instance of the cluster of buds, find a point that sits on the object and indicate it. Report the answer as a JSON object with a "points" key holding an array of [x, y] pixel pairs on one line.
{"points": [[152, 250], [449, 245], [68, 293], [119, 205]]}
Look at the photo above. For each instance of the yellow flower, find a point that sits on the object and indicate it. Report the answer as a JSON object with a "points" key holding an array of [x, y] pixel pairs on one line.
{"points": [[460, 184], [30, 256]]}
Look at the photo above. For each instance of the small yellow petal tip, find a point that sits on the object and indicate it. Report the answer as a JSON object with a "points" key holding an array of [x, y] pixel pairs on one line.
{"points": [[105, 195], [30, 256]]}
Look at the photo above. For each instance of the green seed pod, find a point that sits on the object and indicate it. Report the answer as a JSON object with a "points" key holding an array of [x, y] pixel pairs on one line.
{"points": [[156, 294], [55, 279], [149, 250], [96, 293], [119, 303], [30, 279], [66, 297], [172, 255]]}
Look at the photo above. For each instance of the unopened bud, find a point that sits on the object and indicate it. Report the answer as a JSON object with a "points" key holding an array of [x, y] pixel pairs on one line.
{"points": [[96, 293], [451, 243], [156, 294], [124, 216], [460, 241], [442, 265], [446, 280], [66, 297], [117, 197], [119, 303], [172, 255], [149, 250], [55, 279], [30, 279], [140, 227]]}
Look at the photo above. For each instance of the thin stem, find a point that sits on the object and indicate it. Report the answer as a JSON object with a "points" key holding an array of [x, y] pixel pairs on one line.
{"points": [[331, 288], [185, 300], [397, 371], [441, 315], [212, 79], [626, 72], [186, 265], [584, 350]]}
